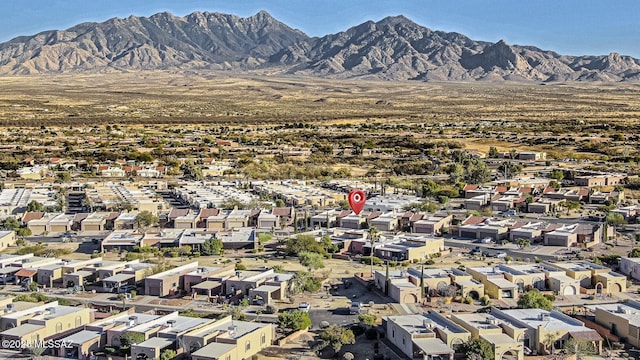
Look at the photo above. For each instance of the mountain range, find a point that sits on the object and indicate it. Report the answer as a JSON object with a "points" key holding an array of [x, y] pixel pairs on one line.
{"points": [[394, 48]]}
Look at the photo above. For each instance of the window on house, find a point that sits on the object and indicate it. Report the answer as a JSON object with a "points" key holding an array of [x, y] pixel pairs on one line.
{"points": [[263, 339], [247, 346], [403, 339]]}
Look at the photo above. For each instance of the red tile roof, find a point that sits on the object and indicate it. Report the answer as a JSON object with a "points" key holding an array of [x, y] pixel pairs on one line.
{"points": [[282, 212], [26, 272], [469, 187], [473, 220], [205, 213], [32, 216]]}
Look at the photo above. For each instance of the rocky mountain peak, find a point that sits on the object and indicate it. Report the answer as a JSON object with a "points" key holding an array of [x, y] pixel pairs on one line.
{"points": [[393, 48]]}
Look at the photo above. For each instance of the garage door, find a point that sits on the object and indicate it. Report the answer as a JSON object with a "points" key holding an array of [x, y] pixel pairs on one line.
{"points": [[569, 290]]}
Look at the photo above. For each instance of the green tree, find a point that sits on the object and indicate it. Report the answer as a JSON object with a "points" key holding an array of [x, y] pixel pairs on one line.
{"points": [[34, 206], [168, 354], [493, 152], [279, 203], [328, 245], [430, 188], [534, 300], [303, 243], [145, 219], [367, 319], [615, 219], [130, 338], [23, 232], [635, 253], [212, 246], [476, 172], [294, 320], [304, 281], [63, 177], [311, 261], [522, 242], [336, 336], [556, 174], [477, 349], [11, 223]]}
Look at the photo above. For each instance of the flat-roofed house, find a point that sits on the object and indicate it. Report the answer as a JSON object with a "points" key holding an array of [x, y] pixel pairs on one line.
{"points": [[503, 337], [169, 335], [433, 225], [630, 267], [480, 228], [385, 222], [495, 283], [405, 247], [81, 345], [94, 222], [531, 231], [187, 221], [543, 326], [402, 288], [7, 239], [228, 339], [353, 221], [204, 273], [581, 235], [121, 240], [417, 338], [622, 319], [126, 221], [594, 276], [168, 282], [55, 320]]}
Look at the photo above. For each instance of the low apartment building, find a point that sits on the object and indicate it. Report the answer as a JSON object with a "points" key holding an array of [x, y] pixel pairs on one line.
{"points": [[505, 338], [405, 247], [592, 276], [579, 235], [170, 335], [542, 326], [495, 283], [480, 228], [168, 282], [7, 239], [630, 267], [623, 320], [417, 338], [433, 225], [228, 339], [53, 321]]}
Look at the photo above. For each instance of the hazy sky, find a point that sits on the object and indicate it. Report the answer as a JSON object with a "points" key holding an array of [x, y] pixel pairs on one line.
{"points": [[572, 27]]}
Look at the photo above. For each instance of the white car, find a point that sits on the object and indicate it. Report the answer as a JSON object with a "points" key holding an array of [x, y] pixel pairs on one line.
{"points": [[304, 306], [501, 255]]}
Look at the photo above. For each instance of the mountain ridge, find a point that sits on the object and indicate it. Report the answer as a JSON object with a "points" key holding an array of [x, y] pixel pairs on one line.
{"points": [[394, 48]]}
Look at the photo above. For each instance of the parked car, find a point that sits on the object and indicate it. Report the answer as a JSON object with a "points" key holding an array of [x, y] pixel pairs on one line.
{"points": [[501, 255], [304, 306], [355, 308]]}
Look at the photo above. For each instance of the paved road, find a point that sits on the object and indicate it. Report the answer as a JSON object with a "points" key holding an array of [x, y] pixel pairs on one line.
{"points": [[338, 316], [492, 250]]}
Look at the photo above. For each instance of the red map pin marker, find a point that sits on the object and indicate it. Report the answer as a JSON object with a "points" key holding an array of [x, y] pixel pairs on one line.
{"points": [[357, 198]]}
